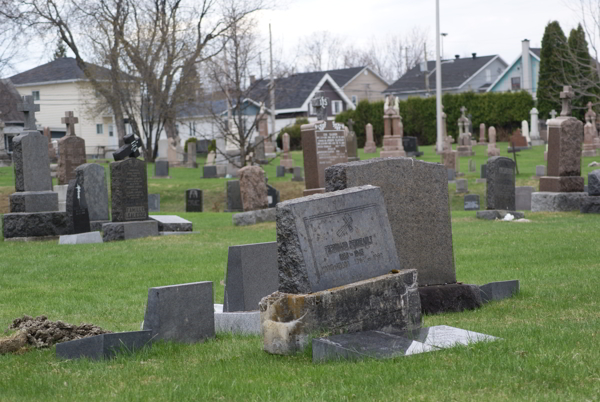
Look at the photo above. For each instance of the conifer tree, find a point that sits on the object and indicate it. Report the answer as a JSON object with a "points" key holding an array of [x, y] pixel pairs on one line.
{"points": [[552, 72]]}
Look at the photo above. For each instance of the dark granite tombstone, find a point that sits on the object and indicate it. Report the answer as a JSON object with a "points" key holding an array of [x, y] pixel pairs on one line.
{"points": [[77, 209], [153, 202], [234, 197], [209, 172], [451, 174], [280, 171], [129, 187], [103, 346], [410, 146], [472, 202], [193, 200], [161, 169], [594, 183], [501, 183], [272, 196], [202, 146], [484, 171]]}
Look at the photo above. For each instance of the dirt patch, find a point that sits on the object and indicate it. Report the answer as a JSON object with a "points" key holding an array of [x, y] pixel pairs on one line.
{"points": [[40, 332]]}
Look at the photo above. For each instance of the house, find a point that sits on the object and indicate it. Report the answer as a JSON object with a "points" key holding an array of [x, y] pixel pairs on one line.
{"points": [[359, 83], [474, 73], [522, 74], [13, 119], [60, 86]]}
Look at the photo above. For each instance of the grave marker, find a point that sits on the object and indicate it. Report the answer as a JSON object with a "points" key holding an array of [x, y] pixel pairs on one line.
{"points": [[193, 200], [253, 188], [77, 209], [129, 190], [500, 183]]}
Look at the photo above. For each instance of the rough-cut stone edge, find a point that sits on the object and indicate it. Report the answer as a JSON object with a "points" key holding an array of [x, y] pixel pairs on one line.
{"points": [[556, 202], [253, 217]]}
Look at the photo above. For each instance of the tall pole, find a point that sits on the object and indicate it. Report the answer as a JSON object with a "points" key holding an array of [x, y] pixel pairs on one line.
{"points": [[272, 89], [438, 79]]}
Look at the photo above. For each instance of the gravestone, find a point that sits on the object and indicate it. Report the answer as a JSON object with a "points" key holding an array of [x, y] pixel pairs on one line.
{"points": [[323, 145], [193, 200], [462, 186], [351, 144], [52, 156], [92, 178], [482, 140], [131, 148], [518, 141], [172, 223], [202, 146], [451, 175], [393, 129], [500, 183], [272, 196], [209, 172], [286, 160], [280, 171], [129, 190], [181, 313], [333, 239], [161, 169], [472, 202], [411, 147], [77, 208], [5, 159], [71, 151], [535, 129], [594, 183], [483, 173], [492, 150], [153, 202], [191, 155], [298, 174], [589, 143], [523, 198], [251, 275], [417, 201], [464, 147], [253, 189], [370, 147], [472, 166], [234, 198], [540, 170], [103, 346], [259, 150], [525, 130]]}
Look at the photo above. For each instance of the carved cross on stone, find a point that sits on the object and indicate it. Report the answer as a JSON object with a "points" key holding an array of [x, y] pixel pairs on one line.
{"points": [[553, 114], [566, 95], [319, 103], [70, 121], [351, 124], [463, 110], [590, 115], [131, 148], [28, 108]]}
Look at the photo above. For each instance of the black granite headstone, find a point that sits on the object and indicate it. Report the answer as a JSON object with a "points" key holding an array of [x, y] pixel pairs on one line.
{"points": [[500, 173], [209, 172], [472, 202], [131, 148], [280, 171], [193, 200], [484, 171], [77, 209], [272, 196], [410, 146], [234, 197], [202, 146], [129, 190], [161, 169]]}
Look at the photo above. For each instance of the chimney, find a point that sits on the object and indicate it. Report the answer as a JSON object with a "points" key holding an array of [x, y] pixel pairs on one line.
{"points": [[474, 55], [457, 56], [526, 67], [252, 79]]}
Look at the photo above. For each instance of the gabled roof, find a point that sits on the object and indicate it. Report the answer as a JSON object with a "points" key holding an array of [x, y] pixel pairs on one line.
{"points": [[63, 69], [9, 98], [534, 52], [212, 107], [345, 75], [455, 74]]}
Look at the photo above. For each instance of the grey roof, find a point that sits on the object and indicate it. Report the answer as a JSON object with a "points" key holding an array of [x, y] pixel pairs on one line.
{"points": [[63, 69], [344, 75], [9, 97], [454, 73], [536, 50]]}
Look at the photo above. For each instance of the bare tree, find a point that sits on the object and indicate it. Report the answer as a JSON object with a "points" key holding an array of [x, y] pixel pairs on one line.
{"points": [[322, 51]]}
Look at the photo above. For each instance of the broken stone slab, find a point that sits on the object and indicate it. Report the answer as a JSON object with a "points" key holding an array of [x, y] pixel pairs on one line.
{"points": [[499, 290], [81, 238], [556, 202], [385, 303], [103, 346], [493, 214], [172, 223], [449, 298], [129, 230], [35, 224], [254, 217]]}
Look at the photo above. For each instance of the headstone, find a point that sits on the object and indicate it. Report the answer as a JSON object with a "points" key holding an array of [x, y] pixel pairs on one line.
{"points": [[298, 174], [464, 147], [500, 183], [286, 160], [209, 172], [5, 159], [234, 198], [564, 151], [191, 155], [272, 196], [129, 190], [594, 182], [523, 198], [482, 140], [254, 217], [535, 128], [590, 117], [410, 146], [161, 169], [450, 160], [499, 290], [393, 130], [492, 150], [153, 202], [30, 158], [172, 223], [259, 150], [251, 275], [540, 170], [253, 188], [163, 145], [323, 145], [181, 313], [370, 147], [202, 146], [103, 346], [81, 238], [462, 186], [71, 151], [472, 166], [193, 200], [518, 140], [77, 209], [451, 174], [131, 148], [472, 202], [92, 178], [37, 224], [417, 201], [589, 143], [351, 144], [525, 130], [333, 239], [280, 171], [51, 151], [483, 173]]}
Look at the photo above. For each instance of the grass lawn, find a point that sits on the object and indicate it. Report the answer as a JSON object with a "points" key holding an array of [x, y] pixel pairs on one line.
{"points": [[551, 330]]}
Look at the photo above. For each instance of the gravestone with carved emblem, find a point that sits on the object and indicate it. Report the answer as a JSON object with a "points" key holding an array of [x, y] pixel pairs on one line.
{"points": [[71, 151], [193, 200], [77, 208]]}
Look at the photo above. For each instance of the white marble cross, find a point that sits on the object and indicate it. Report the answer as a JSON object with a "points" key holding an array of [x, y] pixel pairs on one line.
{"points": [[566, 95]]}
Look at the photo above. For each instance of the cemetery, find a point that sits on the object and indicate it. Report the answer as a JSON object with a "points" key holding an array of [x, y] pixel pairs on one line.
{"points": [[339, 257]]}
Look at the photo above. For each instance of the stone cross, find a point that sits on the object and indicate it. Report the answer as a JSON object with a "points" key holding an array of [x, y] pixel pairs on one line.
{"points": [[590, 114], [351, 124], [463, 110], [553, 114], [319, 103], [28, 108], [566, 95], [70, 121]]}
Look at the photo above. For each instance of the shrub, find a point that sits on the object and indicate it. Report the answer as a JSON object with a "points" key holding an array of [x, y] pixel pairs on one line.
{"points": [[191, 139], [294, 133]]}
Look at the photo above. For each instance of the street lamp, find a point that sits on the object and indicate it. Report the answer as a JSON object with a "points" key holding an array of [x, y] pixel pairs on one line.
{"points": [[443, 36]]}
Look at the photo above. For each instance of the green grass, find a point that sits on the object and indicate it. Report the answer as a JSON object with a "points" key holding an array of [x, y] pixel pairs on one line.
{"points": [[551, 330]]}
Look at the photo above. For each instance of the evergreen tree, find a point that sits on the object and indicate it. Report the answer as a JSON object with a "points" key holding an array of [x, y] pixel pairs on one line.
{"points": [[60, 52], [580, 72], [552, 74]]}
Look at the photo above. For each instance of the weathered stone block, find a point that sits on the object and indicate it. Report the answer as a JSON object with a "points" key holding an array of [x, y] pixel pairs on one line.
{"points": [[499, 290], [556, 202], [34, 201], [567, 184], [253, 188], [129, 230], [103, 346], [590, 205], [594, 182], [172, 223], [254, 217], [452, 297], [35, 224]]}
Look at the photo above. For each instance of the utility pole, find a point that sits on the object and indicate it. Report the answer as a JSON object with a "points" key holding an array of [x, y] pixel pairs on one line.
{"points": [[426, 68], [272, 89], [260, 63], [438, 79]]}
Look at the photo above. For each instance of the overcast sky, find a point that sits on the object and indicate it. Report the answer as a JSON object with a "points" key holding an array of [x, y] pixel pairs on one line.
{"points": [[473, 26]]}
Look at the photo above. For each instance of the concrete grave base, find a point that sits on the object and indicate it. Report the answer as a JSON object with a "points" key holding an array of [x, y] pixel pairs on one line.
{"points": [[568, 184], [172, 223], [81, 238], [499, 290], [176, 233], [97, 225], [103, 346], [556, 202], [129, 230], [590, 205], [241, 322], [254, 217], [452, 297], [34, 201], [493, 214], [34, 238], [385, 303], [381, 345], [35, 224]]}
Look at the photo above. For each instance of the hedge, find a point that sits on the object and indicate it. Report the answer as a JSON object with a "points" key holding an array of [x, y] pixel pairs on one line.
{"points": [[294, 133], [503, 110]]}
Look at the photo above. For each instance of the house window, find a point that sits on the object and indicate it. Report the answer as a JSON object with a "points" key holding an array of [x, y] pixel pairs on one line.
{"points": [[311, 110], [488, 75], [354, 99], [36, 95], [99, 129], [336, 107], [515, 83], [111, 132]]}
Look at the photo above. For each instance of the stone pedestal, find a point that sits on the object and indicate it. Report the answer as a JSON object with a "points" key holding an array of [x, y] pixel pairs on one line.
{"points": [[34, 201], [129, 230], [556, 202], [35, 224]]}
